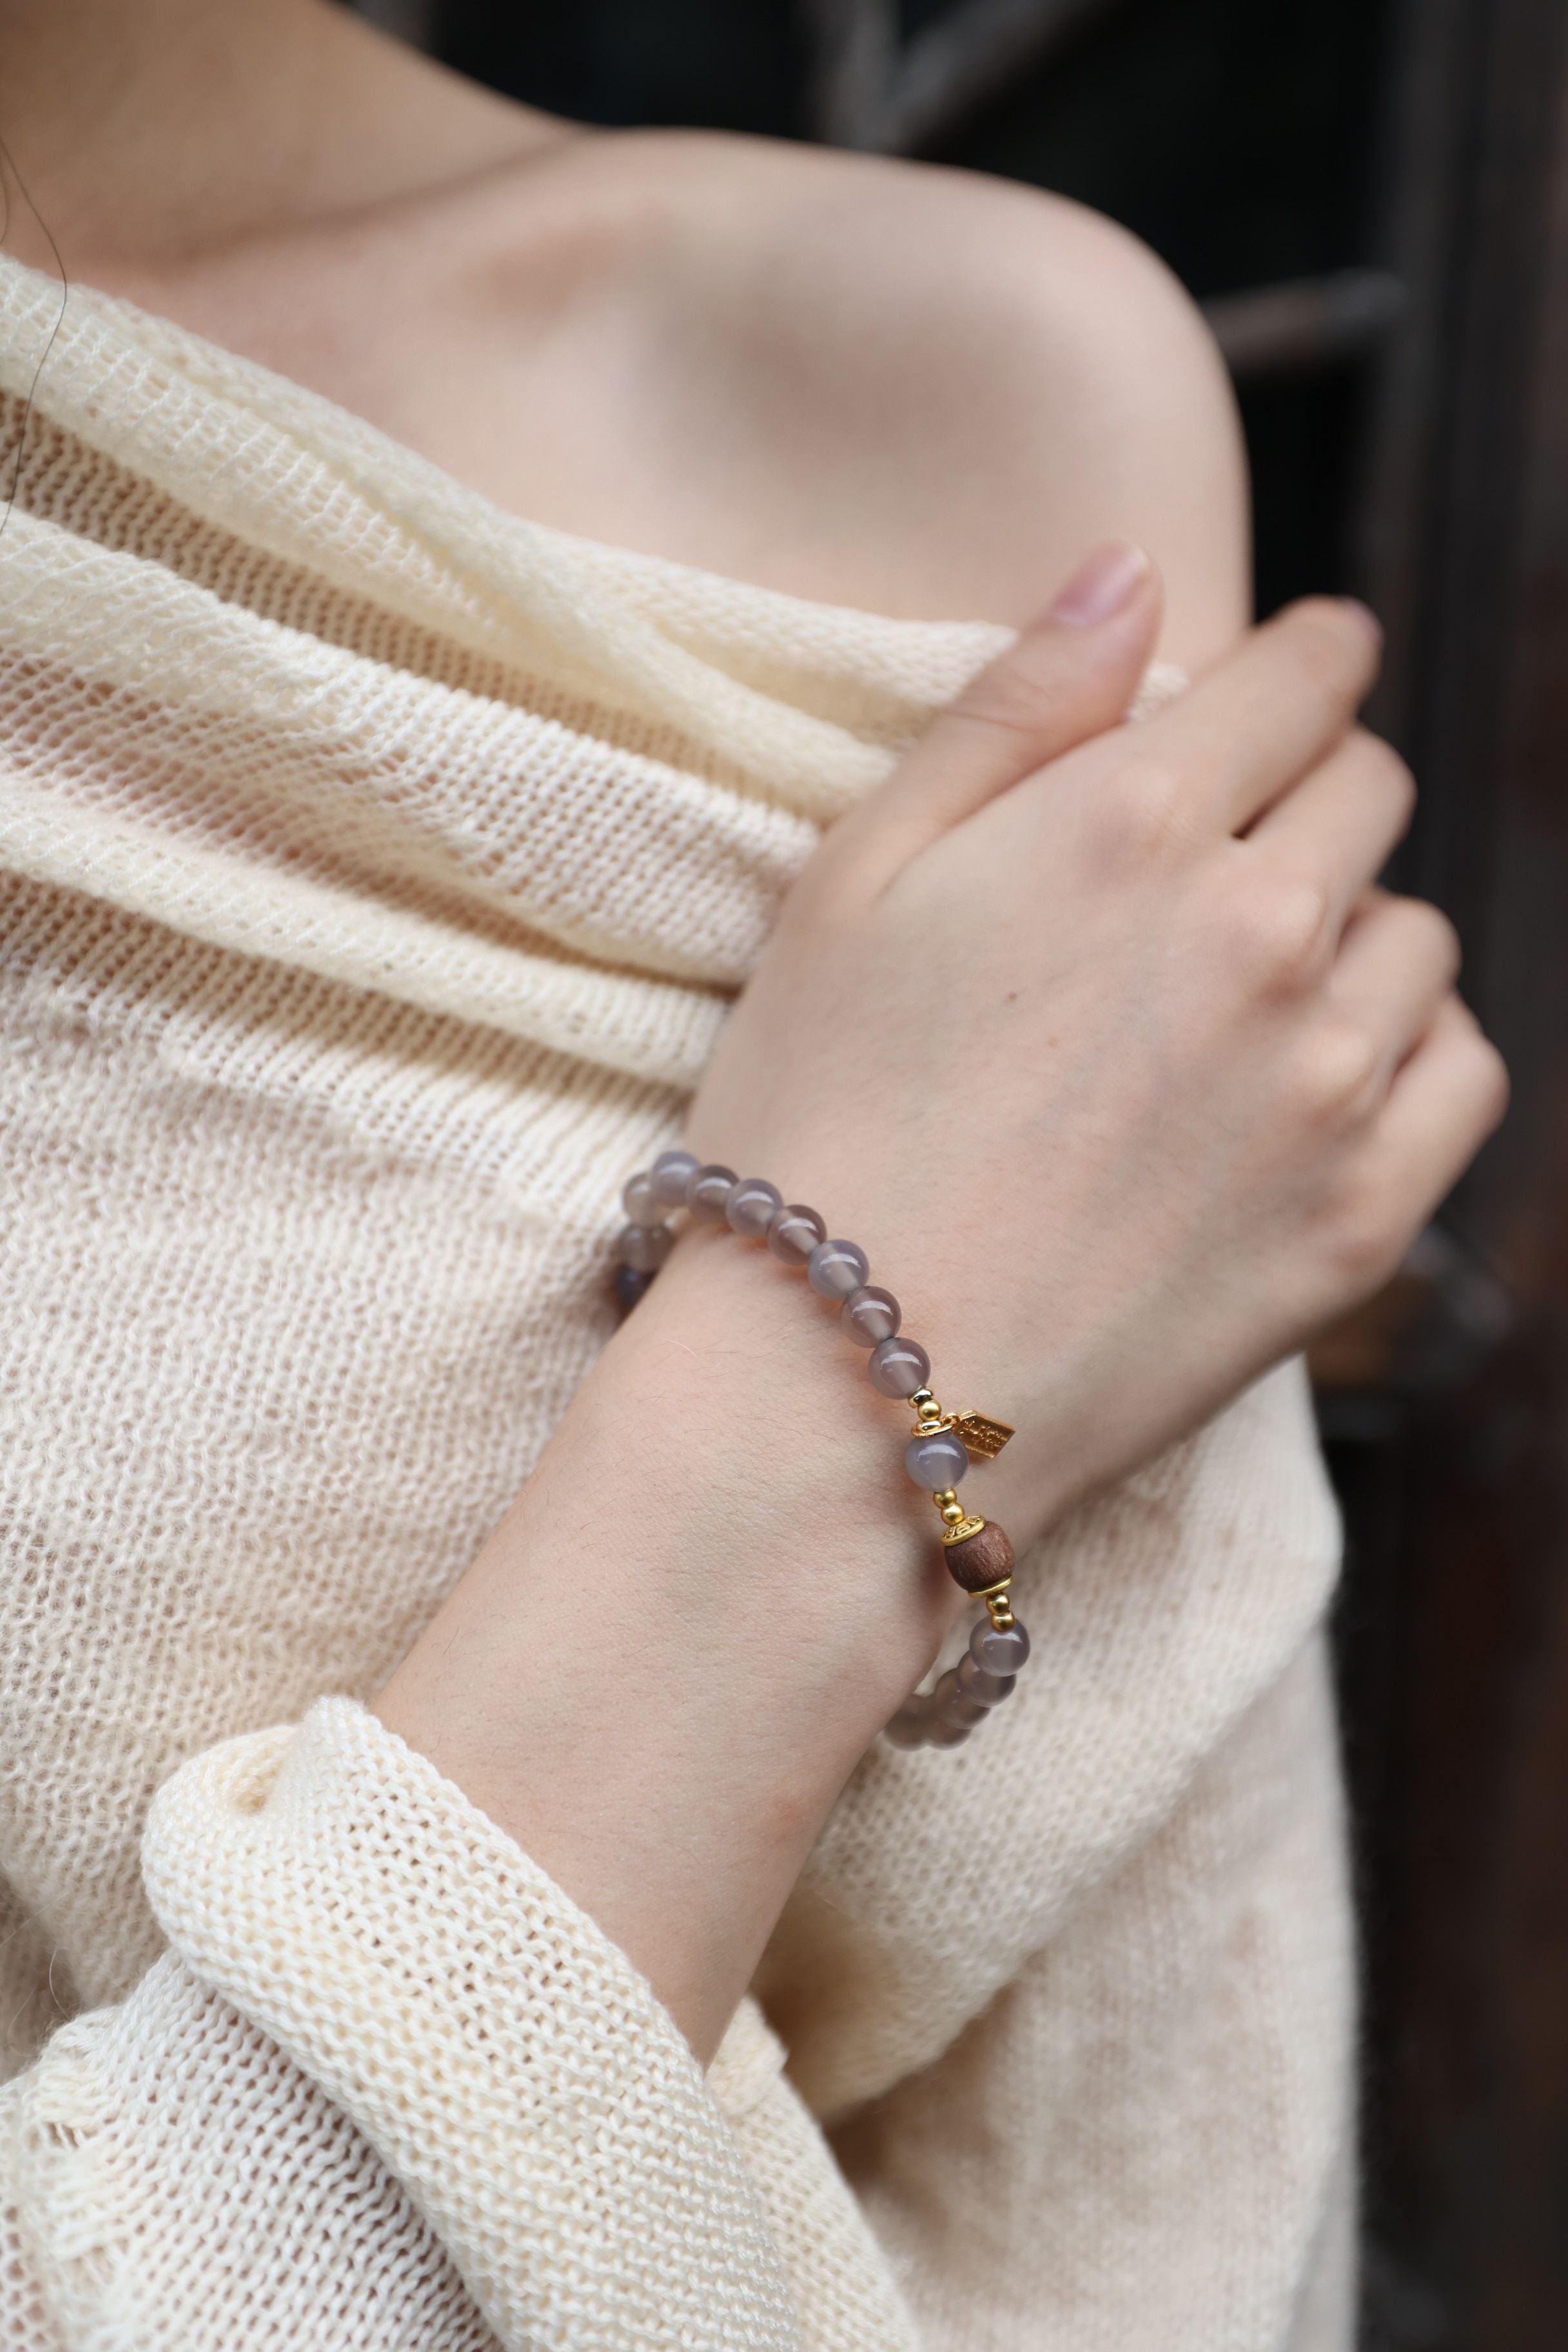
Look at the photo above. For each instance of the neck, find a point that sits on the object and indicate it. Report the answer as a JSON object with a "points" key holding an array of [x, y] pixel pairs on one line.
{"points": [[152, 133]]}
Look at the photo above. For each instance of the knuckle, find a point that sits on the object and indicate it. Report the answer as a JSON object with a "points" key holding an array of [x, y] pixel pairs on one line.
{"points": [[1388, 774], [1141, 811], [1339, 1072], [1364, 1238], [1279, 930], [1490, 1080], [1437, 936], [1423, 941]]}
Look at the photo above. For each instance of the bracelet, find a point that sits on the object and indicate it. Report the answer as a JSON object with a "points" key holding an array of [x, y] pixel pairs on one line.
{"points": [[977, 1552]]}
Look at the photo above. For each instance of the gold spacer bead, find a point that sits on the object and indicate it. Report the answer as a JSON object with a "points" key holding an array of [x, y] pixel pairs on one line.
{"points": [[999, 1607], [952, 1513], [920, 1398]]}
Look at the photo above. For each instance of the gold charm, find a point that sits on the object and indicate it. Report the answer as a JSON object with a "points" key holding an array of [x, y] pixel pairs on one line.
{"points": [[984, 1437]]}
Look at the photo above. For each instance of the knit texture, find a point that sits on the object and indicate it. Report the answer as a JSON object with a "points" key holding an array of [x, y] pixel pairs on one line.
{"points": [[376, 869]]}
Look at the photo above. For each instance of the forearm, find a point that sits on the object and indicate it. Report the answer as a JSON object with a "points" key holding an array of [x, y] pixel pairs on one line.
{"points": [[714, 1590]]}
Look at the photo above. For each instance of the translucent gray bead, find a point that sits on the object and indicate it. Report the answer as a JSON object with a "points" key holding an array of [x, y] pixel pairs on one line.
{"points": [[795, 1233], [869, 1314], [708, 1191], [999, 1651], [989, 1689], [835, 1268], [907, 1728], [938, 1461], [938, 1732], [644, 1247], [752, 1205], [899, 1367], [630, 1286], [950, 1705], [672, 1175], [640, 1202]]}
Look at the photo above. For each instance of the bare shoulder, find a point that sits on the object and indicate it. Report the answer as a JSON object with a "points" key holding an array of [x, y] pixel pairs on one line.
{"points": [[872, 383], [957, 384]]}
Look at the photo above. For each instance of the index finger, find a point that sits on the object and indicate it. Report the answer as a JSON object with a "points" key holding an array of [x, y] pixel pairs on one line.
{"points": [[1264, 717]]}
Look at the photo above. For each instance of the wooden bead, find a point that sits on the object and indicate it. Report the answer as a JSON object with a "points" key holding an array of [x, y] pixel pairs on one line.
{"points": [[981, 1559]]}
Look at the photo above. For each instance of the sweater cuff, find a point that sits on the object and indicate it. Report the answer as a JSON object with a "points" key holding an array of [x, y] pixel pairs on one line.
{"points": [[505, 2060]]}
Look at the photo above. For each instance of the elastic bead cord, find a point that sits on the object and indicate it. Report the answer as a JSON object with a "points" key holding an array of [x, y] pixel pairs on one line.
{"points": [[977, 1552]]}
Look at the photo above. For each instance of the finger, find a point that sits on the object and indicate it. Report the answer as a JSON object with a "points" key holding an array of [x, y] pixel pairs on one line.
{"points": [[1069, 674], [1396, 967], [1445, 1102], [1338, 826], [1256, 723]]}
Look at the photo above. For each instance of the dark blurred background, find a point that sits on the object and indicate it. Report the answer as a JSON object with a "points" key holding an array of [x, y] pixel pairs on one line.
{"points": [[1371, 197]]}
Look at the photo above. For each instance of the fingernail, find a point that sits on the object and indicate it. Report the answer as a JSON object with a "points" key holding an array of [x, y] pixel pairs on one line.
{"points": [[1102, 587]]}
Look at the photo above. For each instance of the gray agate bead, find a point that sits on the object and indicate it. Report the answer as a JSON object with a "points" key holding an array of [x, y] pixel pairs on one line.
{"points": [[999, 1650], [640, 1202], [630, 1286], [751, 1206], [976, 1684], [671, 1178], [899, 1367], [709, 1192], [835, 1268], [950, 1705], [907, 1728], [795, 1233], [937, 1460], [870, 1314], [644, 1247]]}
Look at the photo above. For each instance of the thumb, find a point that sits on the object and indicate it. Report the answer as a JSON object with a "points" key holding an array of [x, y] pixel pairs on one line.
{"points": [[1069, 675]]}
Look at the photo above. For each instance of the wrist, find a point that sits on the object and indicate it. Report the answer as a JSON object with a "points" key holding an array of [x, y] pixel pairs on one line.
{"points": [[708, 1599]]}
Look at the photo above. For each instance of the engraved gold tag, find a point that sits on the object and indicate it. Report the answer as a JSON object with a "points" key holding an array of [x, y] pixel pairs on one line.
{"points": [[984, 1437]]}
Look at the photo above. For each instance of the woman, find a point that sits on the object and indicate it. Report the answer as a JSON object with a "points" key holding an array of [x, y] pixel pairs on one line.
{"points": [[379, 867]]}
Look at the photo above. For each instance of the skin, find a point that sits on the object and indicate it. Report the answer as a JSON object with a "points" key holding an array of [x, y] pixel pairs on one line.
{"points": [[1086, 1031], [867, 383]]}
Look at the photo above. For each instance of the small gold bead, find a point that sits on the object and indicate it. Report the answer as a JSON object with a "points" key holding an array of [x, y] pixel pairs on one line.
{"points": [[930, 1409], [921, 1397], [999, 1607], [952, 1513], [941, 1494]]}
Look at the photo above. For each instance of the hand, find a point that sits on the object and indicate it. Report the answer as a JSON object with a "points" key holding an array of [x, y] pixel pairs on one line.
{"points": [[1103, 1045]]}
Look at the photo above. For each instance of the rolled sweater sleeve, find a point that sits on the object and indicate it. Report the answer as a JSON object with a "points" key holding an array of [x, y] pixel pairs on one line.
{"points": [[387, 2067]]}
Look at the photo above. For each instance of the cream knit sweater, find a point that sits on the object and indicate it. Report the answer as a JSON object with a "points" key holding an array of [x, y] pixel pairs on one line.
{"points": [[376, 869]]}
